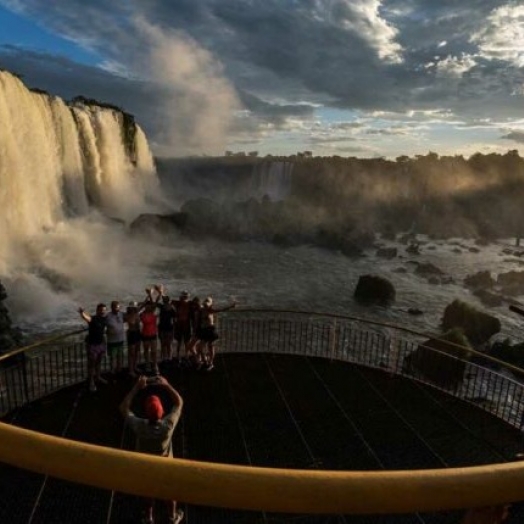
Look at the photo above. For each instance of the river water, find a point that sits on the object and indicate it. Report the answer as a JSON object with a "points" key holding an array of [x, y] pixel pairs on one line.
{"points": [[102, 262]]}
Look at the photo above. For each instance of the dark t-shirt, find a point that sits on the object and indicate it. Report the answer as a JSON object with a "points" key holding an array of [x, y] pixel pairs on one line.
{"points": [[166, 318], [183, 311], [96, 330]]}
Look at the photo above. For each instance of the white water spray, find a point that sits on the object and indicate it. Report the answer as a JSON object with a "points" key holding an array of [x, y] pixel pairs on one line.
{"points": [[62, 170]]}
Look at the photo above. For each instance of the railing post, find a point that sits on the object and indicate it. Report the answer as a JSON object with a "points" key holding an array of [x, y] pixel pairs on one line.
{"points": [[332, 339], [24, 377], [394, 352]]}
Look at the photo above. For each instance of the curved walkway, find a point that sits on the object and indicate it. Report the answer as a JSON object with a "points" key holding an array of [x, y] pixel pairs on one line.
{"points": [[266, 410]]}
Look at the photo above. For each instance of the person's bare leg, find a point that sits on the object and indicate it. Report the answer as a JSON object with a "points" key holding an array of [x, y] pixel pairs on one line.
{"points": [[147, 348], [148, 510], [175, 516], [98, 370], [211, 355], [154, 357], [120, 359]]}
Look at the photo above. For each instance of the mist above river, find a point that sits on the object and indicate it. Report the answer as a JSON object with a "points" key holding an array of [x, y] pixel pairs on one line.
{"points": [[96, 261]]}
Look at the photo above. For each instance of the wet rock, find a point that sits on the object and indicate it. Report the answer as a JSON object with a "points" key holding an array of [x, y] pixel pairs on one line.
{"points": [[435, 359], [482, 242], [10, 337], [399, 270], [151, 222], [481, 279], [413, 249], [511, 282], [488, 298], [373, 289], [426, 268], [387, 252], [339, 241], [476, 325]]}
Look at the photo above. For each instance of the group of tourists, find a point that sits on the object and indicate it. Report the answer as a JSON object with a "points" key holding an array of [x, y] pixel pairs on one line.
{"points": [[190, 323]]}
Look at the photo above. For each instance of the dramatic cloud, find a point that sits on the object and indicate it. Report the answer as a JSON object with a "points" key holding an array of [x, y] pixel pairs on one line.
{"points": [[205, 75], [503, 36]]}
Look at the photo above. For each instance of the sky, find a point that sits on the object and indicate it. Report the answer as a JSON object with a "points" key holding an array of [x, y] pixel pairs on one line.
{"points": [[354, 78]]}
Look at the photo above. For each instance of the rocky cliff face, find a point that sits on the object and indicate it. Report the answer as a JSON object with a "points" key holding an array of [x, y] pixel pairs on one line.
{"points": [[9, 336]]}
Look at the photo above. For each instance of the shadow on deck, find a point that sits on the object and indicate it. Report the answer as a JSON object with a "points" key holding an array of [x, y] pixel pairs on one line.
{"points": [[265, 410]]}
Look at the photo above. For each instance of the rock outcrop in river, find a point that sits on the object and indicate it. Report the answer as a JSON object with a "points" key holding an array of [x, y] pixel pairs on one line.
{"points": [[9, 336]]}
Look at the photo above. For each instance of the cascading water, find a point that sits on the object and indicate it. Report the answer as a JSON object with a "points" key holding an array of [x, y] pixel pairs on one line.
{"points": [[58, 161], [228, 179], [64, 171], [272, 179]]}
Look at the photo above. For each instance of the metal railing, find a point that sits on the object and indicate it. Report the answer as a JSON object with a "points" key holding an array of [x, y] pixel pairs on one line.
{"points": [[43, 368], [30, 373]]}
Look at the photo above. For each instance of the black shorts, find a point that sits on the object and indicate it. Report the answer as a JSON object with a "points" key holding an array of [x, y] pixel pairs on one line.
{"points": [[133, 338], [208, 334], [183, 333], [148, 338]]}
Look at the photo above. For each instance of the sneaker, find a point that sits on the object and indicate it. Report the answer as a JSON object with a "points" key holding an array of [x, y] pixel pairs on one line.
{"points": [[177, 517], [210, 367], [92, 386], [101, 380], [147, 520]]}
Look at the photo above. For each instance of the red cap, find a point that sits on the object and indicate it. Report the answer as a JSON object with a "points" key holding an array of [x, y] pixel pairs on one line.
{"points": [[153, 408]]}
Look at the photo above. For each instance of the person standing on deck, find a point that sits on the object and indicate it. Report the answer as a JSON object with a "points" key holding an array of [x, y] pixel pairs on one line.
{"points": [[194, 316], [115, 337], [166, 323], [154, 433], [207, 333], [95, 343], [149, 320]]}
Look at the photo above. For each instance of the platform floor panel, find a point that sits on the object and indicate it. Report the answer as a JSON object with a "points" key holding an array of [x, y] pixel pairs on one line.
{"points": [[265, 410]]}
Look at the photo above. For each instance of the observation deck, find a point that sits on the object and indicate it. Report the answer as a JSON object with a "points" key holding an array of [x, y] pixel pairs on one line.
{"points": [[308, 391]]}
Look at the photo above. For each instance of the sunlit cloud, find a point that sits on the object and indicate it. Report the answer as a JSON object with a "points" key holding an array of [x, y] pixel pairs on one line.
{"points": [[199, 76], [363, 17], [454, 66], [503, 36]]}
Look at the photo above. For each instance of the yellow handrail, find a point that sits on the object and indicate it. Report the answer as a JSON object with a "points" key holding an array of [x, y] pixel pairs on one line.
{"points": [[262, 489], [39, 344]]}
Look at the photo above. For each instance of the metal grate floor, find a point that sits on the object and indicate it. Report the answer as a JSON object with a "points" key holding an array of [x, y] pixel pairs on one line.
{"points": [[265, 410]]}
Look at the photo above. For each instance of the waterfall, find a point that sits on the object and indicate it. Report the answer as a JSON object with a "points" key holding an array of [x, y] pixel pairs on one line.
{"points": [[60, 161], [272, 179]]}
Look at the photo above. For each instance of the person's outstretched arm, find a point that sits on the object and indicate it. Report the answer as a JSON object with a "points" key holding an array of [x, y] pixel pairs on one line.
{"points": [[84, 315], [173, 393], [226, 308], [125, 406]]}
